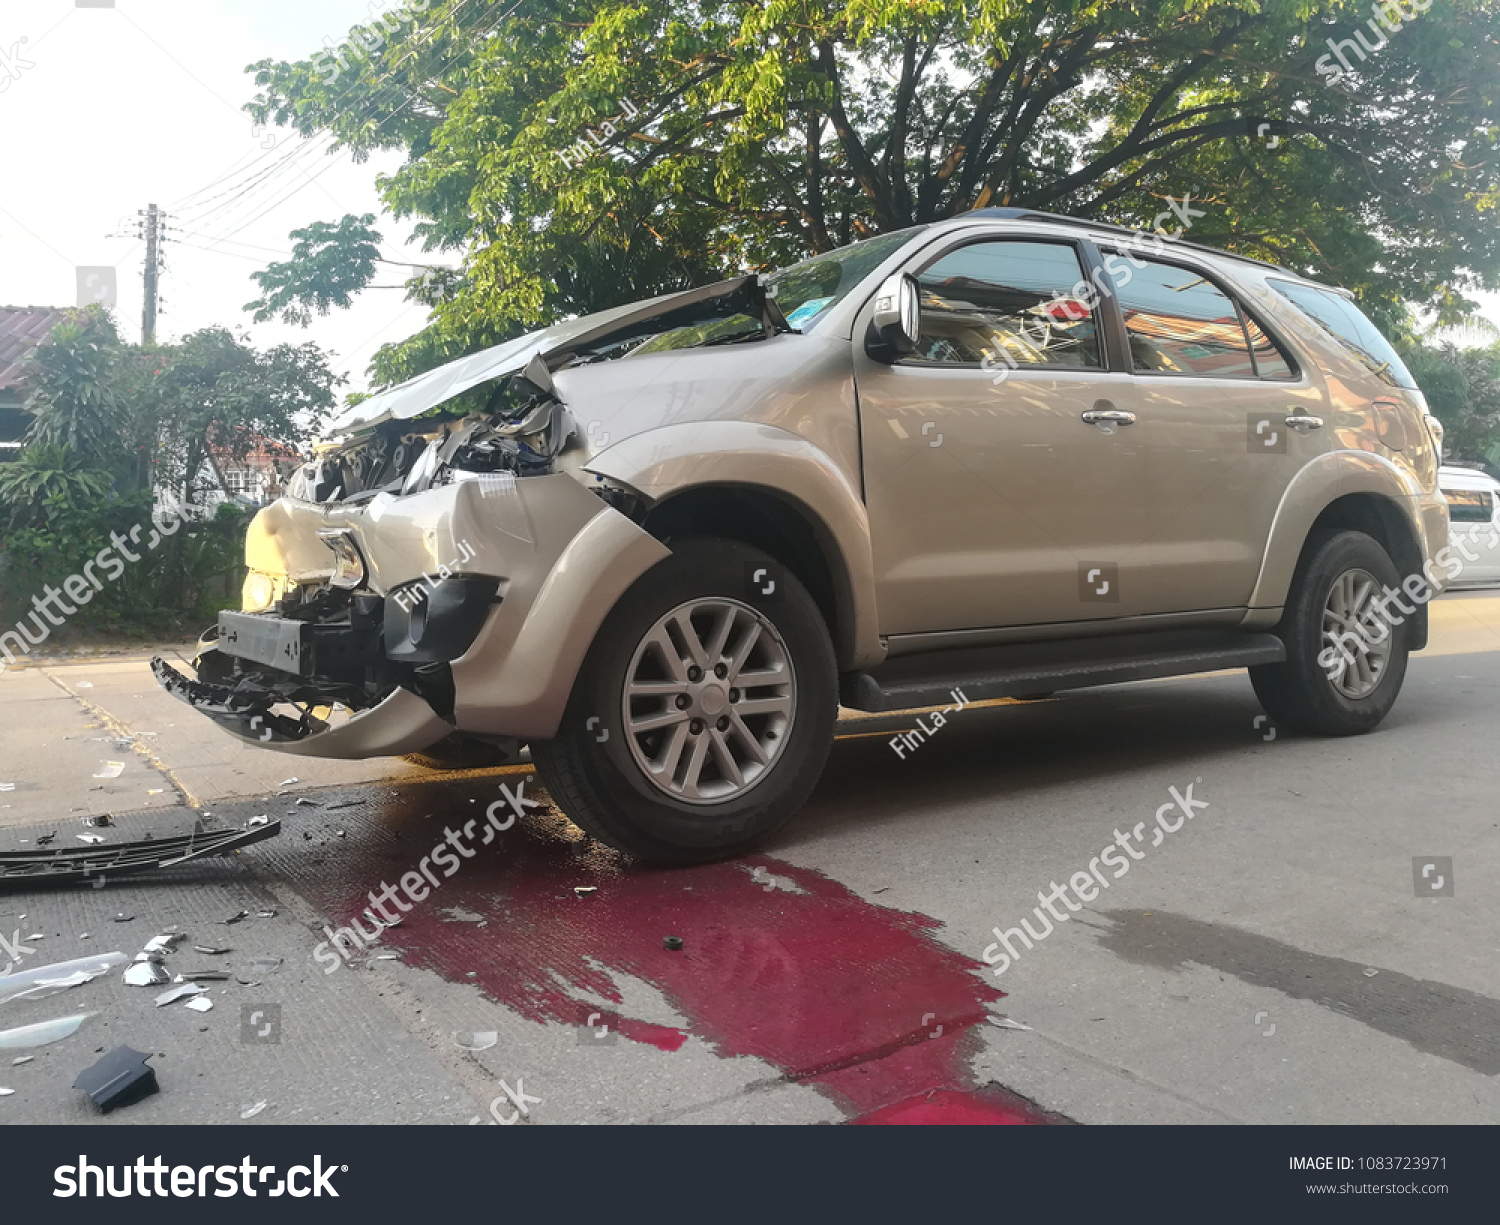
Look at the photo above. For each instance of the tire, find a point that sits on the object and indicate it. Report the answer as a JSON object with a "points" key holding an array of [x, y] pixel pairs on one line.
{"points": [[651, 790], [1317, 689], [460, 753]]}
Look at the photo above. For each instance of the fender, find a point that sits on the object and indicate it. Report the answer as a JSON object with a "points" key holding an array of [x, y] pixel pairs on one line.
{"points": [[675, 458], [1323, 481]]}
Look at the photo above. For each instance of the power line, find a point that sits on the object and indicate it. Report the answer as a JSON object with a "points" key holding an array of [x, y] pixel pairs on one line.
{"points": [[391, 92]]}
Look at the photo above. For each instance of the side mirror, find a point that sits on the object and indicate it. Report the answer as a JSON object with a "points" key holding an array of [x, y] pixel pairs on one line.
{"points": [[896, 327]]}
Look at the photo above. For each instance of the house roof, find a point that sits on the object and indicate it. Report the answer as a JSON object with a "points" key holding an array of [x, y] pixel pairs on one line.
{"points": [[22, 328]]}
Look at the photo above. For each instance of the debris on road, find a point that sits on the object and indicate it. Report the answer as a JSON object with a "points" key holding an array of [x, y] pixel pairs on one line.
{"points": [[122, 917], [121, 1078], [91, 839], [200, 1004], [21, 868], [44, 1033], [1007, 1023], [146, 972], [239, 917], [42, 981], [249, 1112], [477, 1041], [102, 821], [165, 942], [672, 944], [585, 890], [110, 769], [204, 976], [183, 992], [212, 950]]}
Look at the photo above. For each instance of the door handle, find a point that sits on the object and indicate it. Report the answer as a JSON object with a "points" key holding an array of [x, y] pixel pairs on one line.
{"points": [[1302, 422], [1108, 416]]}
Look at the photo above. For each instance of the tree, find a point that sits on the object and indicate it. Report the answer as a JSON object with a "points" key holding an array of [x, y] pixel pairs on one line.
{"points": [[329, 264], [1463, 390], [762, 133], [217, 392], [73, 401]]}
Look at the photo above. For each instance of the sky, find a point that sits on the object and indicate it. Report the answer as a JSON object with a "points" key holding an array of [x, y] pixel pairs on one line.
{"points": [[119, 105], [110, 105]]}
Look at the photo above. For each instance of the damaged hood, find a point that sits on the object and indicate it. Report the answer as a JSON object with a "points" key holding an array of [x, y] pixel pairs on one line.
{"points": [[536, 354]]}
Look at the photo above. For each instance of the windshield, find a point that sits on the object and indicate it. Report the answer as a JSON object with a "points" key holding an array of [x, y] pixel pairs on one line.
{"points": [[804, 291]]}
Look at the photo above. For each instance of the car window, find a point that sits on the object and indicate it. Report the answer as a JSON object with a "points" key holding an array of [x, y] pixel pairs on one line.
{"points": [[1347, 324], [1179, 322], [806, 290], [1470, 505], [1270, 361], [1004, 304]]}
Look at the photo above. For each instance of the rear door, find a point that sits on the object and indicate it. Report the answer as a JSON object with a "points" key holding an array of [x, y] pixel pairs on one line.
{"points": [[1227, 420]]}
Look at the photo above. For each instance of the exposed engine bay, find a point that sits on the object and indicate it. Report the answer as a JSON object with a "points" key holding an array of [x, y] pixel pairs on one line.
{"points": [[504, 415]]}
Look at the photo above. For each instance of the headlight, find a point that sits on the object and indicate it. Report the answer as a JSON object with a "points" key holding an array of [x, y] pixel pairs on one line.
{"points": [[348, 566], [258, 593]]}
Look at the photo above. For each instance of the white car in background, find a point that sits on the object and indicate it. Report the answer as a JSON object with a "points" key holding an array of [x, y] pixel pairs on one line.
{"points": [[1474, 522]]}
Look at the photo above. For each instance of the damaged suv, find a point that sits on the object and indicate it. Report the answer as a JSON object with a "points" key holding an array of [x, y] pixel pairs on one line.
{"points": [[663, 544]]}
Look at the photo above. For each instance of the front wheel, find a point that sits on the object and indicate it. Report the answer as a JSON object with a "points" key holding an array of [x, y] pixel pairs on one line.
{"points": [[1346, 641], [703, 713]]}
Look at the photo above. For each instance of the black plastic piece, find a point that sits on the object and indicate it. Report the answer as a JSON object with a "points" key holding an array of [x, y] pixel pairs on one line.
{"points": [[120, 1078], [23, 869], [429, 622]]}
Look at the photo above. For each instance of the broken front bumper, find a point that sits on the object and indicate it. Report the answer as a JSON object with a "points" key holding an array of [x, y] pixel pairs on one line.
{"points": [[476, 608]]}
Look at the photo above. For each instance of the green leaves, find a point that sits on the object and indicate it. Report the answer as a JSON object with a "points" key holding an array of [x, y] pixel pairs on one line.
{"points": [[772, 130], [329, 264]]}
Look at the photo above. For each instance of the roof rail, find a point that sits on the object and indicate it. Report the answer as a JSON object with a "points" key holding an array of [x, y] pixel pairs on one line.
{"points": [[1028, 214]]}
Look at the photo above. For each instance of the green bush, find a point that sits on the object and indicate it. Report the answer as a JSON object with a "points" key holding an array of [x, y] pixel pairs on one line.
{"points": [[176, 586]]}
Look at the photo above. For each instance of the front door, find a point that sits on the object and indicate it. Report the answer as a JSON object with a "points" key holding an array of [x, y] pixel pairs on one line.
{"points": [[992, 500]]}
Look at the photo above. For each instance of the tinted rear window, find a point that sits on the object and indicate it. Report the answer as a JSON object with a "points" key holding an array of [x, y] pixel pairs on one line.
{"points": [[1346, 323]]}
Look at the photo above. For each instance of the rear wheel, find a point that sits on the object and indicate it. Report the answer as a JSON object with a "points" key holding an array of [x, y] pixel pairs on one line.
{"points": [[704, 712], [1346, 658]]}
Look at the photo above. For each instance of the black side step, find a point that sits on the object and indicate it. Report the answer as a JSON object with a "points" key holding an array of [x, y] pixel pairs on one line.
{"points": [[1013, 669]]}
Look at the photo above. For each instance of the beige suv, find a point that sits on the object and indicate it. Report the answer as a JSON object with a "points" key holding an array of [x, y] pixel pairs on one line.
{"points": [[1006, 454]]}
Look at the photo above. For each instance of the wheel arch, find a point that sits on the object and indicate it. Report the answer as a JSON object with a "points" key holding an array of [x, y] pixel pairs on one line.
{"points": [[1369, 496], [770, 489]]}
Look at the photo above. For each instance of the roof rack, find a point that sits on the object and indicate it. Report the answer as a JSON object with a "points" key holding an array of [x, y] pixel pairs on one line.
{"points": [[1027, 214]]}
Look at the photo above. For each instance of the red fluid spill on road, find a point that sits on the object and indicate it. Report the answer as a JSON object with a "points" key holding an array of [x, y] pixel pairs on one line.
{"points": [[833, 990]]}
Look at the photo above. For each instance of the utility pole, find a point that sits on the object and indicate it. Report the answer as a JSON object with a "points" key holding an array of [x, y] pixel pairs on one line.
{"points": [[154, 217]]}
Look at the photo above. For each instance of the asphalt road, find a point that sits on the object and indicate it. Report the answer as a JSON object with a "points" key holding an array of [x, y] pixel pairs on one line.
{"points": [[1280, 957]]}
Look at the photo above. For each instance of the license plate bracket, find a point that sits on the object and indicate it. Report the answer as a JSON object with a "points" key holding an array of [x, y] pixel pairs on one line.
{"points": [[274, 641]]}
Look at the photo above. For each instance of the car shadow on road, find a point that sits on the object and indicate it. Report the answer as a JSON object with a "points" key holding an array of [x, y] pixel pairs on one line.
{"points": [[1004, 752]]}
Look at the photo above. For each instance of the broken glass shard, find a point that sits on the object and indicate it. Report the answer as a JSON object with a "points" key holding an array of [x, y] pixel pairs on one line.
{"points": [[43, 1034], [42, 981]]}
